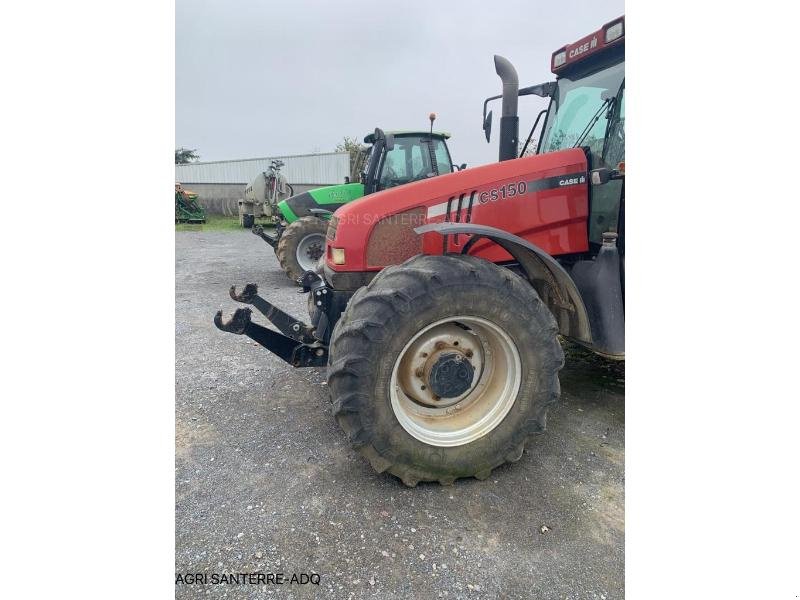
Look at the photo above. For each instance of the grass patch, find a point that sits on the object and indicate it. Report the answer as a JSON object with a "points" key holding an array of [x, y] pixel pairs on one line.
{"points": [[216, 223]]}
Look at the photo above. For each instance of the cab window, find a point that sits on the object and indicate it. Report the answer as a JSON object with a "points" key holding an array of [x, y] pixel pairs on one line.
{"points": [[394, 171], [417, 162], [580, 104], [443, 163], [365, 164], [410, 160], [615, 142]]}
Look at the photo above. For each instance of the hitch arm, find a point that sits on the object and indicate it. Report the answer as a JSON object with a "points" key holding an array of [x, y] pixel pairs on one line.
{"points": [[288, 349], [259, 231], [286, 323]]}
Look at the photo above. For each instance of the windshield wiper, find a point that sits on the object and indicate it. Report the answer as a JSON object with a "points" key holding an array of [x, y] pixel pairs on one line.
{"points": [[606, 104]]}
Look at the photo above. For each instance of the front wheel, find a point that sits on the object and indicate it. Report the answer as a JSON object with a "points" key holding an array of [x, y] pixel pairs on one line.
{"points": [[442, 367], [301, 246]]}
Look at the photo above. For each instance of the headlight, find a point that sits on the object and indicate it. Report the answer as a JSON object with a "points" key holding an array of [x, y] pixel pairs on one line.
{"points": [[337, 256]]}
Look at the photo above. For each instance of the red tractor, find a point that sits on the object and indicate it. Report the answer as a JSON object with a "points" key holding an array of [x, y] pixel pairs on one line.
{"points": [[440, 304]]}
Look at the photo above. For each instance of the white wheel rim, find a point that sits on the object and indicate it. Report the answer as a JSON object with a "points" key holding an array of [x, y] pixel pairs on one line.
{"points": [[309, 251], [464, 418]]}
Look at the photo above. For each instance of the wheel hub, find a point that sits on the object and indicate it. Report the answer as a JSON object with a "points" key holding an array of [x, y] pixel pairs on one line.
{"points": [[314, 251], [442, 367], [309, 251], [455, 380], [451, 375]]}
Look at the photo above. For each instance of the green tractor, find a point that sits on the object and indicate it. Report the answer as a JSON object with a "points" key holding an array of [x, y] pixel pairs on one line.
{"points": [[392, 159]]}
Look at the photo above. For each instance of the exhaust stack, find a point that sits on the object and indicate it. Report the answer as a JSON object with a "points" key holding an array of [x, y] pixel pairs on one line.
{"points": [[509, 120]]}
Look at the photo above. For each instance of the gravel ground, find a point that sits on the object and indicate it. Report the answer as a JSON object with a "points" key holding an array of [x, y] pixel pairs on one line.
{"points": [[265, 481]]}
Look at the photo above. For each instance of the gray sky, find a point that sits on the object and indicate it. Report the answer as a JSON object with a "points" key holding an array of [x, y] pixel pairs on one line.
{"points": [[259, 78]]}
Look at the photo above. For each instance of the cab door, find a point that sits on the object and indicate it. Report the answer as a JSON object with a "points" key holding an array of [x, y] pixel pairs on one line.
{"points": [[606, 200], [601, 278]]}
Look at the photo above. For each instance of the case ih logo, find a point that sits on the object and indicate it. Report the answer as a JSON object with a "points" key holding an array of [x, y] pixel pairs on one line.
{"points": [[585, 47], [572, 181]]}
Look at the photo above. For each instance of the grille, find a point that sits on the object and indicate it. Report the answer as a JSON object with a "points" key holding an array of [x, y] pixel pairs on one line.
{"points": [[393, 239], [456, 204], [454, 207]]}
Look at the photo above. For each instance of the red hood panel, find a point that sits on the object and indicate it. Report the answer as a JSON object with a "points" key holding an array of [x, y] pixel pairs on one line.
{"points": [[542, 198]]}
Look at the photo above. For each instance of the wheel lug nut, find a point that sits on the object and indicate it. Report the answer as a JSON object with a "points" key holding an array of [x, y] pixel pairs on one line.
{"points": [[440, 345], [468, 353], [418, 373]]}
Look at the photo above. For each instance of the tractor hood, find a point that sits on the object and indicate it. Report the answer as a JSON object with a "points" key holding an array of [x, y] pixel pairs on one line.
{"points": [[543, 198], [329, 198]]}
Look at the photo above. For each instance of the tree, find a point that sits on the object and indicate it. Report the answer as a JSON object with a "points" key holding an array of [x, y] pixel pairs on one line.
{"points": [[184, 156], [357, 150]]}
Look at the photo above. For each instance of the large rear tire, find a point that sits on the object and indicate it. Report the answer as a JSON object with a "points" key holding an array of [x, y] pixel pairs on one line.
{"points": [[442, 367], [301, 246]]}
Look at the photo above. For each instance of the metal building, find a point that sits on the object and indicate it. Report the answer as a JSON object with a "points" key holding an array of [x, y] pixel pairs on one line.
{"points": [[220, 184], [321, 169]]}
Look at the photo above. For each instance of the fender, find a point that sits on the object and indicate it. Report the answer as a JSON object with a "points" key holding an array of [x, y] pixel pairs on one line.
{"points": [[554, 285]]}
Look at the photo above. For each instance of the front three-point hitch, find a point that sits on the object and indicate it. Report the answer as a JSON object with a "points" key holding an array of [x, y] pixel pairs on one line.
{"points": [[272, 240], [296, 343]]}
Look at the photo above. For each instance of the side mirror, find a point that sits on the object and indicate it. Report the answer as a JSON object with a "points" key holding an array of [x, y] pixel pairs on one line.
{"points": [[462, 166], [600, 176], [379, 136], [487, 126], [389, 142], [603, 176]]}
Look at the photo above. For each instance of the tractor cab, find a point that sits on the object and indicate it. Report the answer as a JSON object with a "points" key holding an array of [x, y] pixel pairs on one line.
{"points": [[586, 110], [398, 157]]}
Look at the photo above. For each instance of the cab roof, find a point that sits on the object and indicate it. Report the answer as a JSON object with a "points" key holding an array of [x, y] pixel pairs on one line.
{"points": [[443, 135]]}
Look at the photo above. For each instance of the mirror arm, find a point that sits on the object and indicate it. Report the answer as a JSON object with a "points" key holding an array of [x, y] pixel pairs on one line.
{"points": [[544, 90], [486, 103]]}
